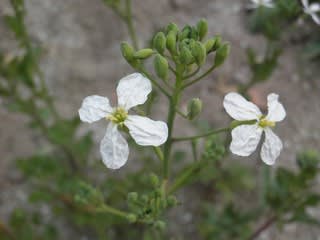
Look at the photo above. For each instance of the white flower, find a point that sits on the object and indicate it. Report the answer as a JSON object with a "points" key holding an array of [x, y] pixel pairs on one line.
{"points": [[132, 90], [245, 138], [313, 9], [258, 3]]}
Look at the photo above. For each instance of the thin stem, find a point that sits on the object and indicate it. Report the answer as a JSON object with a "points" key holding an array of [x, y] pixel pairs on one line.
{"points": [[192, 74], [199, 78], [216, 131], [158, 152], [263, 227], [129, 22], [107, 209], [174, 100], [181, 113]]}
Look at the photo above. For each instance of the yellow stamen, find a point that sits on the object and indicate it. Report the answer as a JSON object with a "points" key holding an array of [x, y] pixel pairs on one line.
{"points": [[263, 122], [118, 116]]}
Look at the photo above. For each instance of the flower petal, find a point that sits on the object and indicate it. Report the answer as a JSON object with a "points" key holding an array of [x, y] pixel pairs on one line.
{"points": [[315, 18], [239, 108], [305, 3], [94, 108], [245, 139], [314, 7], [276, 111], [271, 147], [133, 90], [114, 148], [147, 132]]}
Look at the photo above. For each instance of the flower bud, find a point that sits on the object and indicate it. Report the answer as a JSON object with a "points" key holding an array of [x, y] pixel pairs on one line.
{"points": [[127, 51], [199, 52], [221, 54], [202, 28], [186, 56], [132, 218], [143, 53], [171, 42], [161, 66], [132, 197], [161, 225], [209, 45], [217, 43], [185, 33], [172, 201], [172, 27], [154, 180], [194, 108], [159, 42]]}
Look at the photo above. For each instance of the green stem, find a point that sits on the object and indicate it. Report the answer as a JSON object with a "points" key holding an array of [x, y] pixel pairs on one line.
{"points": [[174, 101], [199, 78], [129, 22], [192, 74], [216, 131], [158, 152], [107, 209]]}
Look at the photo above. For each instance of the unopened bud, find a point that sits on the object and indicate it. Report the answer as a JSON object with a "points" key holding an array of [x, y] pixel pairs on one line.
{"points": [[200, 53], [202, 28], [161, 225], [172, 201], [217, 43], [185, 33], [172, 27], [186, 56], [127, 51], [221, 54], [171, 42], [194, 108], [132, 218], [154, 180], [143, 53], [161, 66], [132, 197], [159, 42]]}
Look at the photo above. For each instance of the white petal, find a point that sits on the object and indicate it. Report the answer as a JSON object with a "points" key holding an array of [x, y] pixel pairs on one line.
{"points": [[114, 148], [271, 147], [147, 132], [276, 111], [314, 7], [133, 90], [245, 139], [315, 18], [239, 108], [94, 108], [305, 3]]}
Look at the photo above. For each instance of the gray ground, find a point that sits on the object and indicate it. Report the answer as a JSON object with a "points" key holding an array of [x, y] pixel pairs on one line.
{"points": [[82, 42]]}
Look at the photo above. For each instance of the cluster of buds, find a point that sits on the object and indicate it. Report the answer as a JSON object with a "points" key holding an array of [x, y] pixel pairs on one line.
{"points": [[149, 207], [187, 47]]}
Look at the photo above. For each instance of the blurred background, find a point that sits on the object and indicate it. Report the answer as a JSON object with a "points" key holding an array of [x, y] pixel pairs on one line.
{"points": [[82, 57]]}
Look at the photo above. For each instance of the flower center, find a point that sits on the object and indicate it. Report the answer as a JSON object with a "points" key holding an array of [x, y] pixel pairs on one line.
{"points": [[118, 116], [263, 122]]}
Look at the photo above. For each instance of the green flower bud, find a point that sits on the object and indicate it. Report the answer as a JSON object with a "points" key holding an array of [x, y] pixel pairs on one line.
{"points": [[132, 218], [199, 52], [161, 225], [209, 45], [159, 42], [186, 56], [217, 43], [154, 180], [194, 108], [143, 53], [127, 51], [221, 54], [171, 42], [185, 33], [202, 28], [132, 197], [172, 201], [161, 66], [172, 27]]}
